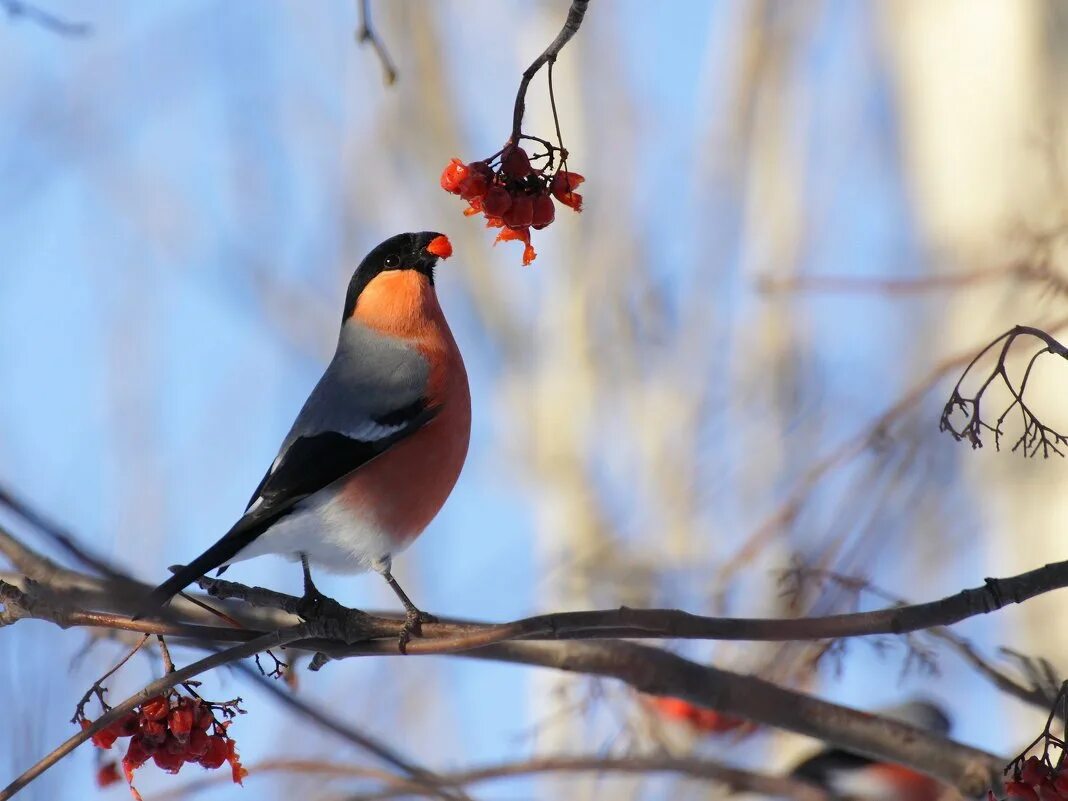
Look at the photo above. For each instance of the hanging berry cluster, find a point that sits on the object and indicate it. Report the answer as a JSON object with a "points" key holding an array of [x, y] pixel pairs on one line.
{"points": [[171, 730], [1042, 776], [513, 193], [1035, 779]]}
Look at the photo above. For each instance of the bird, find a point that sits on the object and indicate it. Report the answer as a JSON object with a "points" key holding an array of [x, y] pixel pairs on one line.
{"points": [[377, 447], [847, 775]]}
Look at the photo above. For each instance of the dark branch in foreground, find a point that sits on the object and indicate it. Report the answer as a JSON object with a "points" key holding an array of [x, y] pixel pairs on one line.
{"points": [[347, 633], [1036, 436], [16, 9]]}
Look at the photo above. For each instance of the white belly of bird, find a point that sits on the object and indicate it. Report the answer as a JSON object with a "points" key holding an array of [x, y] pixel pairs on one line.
{"points": [[327, 531]]}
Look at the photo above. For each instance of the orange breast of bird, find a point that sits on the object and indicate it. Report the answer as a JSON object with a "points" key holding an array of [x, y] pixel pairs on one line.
{"points": [[406, 487]]}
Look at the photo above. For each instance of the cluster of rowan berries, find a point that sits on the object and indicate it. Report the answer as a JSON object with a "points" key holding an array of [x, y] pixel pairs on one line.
{"points": [[171, 730], [698, 718], [1036, 780], [512, 193]]}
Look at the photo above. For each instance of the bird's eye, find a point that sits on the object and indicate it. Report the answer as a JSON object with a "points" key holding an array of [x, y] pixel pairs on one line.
{"points": [[391, 261]]}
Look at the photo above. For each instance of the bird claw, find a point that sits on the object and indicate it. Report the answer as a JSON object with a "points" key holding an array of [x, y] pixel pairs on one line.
{"points": [[313, 603], [413, 627]]}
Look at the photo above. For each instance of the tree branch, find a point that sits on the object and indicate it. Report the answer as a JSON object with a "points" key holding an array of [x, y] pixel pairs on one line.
{"points": [[575, 14], [365, 34], [658, 672], [734, 778], [45, 19]]}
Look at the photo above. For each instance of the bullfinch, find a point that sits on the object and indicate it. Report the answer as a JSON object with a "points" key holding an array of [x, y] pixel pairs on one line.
{"points": [[851, 776], [378, 445]]}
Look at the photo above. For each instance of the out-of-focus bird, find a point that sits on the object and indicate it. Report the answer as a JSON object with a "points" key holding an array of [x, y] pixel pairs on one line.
{"points": [[380, 442], [851, 776]]}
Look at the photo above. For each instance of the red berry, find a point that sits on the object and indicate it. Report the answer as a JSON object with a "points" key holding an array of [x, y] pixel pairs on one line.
{"points": [[497, 201], [216, 753], [154, 731], [1060, 781], [170, 762], [205, 719], [1020, 790], [474, 207], [477, 181], [563, 189], [180, 721], [127, 726], [452, 175], [1047, 792], [136, 754], [1033, 770], [473, 187], [516, 163], [174, 746], [155, 708], [105, 738], [197, 745], [521, 214], [544, 211], [564, 182], [107, 774]]}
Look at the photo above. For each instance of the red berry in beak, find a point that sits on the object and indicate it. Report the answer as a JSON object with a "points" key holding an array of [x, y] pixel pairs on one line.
{"points": [[440, 246]]}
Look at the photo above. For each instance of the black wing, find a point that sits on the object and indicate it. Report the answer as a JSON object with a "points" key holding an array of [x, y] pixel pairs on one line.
{"points": [[308, 465]]}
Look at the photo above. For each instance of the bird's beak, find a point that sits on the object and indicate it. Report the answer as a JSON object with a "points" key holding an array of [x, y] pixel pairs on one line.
{"points": [[431, 246], [440, 246]]}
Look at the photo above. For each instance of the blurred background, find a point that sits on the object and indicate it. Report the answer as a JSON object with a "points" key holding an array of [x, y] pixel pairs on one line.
{"points": [[800, 217]]}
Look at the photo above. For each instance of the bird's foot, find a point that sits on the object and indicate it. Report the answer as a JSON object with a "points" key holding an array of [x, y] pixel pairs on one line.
{"points": [[313, 604], [414, 618]]}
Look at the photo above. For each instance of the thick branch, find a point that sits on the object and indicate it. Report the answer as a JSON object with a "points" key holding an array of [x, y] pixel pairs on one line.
{"points": [[658, 672], [377, 635]]}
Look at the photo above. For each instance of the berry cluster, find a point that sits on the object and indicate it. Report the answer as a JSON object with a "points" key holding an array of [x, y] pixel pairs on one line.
{"points": [[512, 193], [171, 730], [698, 718], [1034, 779]]}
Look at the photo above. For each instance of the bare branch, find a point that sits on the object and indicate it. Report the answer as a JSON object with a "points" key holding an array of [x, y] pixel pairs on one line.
{"points": [[365, 34], [735, 778], [16, 9], [658, 672], [845, 453], [575, 15], [1036, 436]]}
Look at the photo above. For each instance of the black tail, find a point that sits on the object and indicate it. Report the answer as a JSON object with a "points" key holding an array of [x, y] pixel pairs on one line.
{"points": [[243, 532]]}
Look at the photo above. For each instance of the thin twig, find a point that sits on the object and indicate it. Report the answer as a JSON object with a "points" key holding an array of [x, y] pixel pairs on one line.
{"points": [[844, 453], [20, 9], [418, 776], [575, 15], [98, 689], [365, 34], [736, 779]]}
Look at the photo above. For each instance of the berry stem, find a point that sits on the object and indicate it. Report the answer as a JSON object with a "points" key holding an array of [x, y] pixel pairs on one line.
{"points": [[571, 26]]}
